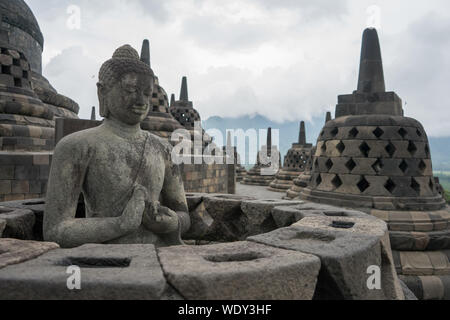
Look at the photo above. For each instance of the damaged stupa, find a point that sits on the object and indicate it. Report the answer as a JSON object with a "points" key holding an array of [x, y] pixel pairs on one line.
{"points": [[159, 120], [295, 162], [268, 163], [29, 105], [373, 158]]}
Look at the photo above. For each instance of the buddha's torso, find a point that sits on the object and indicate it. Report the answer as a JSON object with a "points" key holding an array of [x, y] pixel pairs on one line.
{"points": [[115, 165]]}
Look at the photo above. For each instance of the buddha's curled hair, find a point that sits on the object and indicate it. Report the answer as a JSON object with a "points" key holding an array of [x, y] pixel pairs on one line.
{"points": [[124, 60]]}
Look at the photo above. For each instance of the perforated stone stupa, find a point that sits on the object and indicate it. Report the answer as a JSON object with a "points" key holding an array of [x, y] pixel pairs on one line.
{"points": [[29, 105], [265, 170], [303, 180], [373, 157], [159, 121], [295, 162]]}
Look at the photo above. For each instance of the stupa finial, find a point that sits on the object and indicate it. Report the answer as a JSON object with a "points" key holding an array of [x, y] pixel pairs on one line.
{"points": [[302, 136], [145, 52], [184, 90], [371, 75]]}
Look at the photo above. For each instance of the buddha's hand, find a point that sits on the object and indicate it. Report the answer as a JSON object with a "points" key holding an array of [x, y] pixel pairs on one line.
{"points": [[160, 220], [132, 216]]}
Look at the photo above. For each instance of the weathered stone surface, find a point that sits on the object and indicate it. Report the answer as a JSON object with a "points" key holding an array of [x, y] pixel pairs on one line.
{"points": [[108, 272], [428, 287], [19, 223], [240, 271], [347, 246], [258, 214], [14, 251], [201, 222], [286, 216], [229, 222]]}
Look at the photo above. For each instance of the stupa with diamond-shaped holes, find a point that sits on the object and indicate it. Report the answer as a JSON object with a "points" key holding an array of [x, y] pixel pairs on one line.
{"points": [[373, 158], [295, 162]]}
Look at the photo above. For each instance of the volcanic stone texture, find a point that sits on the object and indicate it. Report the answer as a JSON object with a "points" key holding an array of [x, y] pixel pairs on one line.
{"points": [[374, 161], [240, 271], [108, 272], [347, 247]]}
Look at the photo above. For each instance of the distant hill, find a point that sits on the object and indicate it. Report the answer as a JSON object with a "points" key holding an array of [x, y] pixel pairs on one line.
{"points": [[440, 147]]}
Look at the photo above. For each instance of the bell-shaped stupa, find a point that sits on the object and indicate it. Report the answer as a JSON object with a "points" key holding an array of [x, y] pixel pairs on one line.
{"points": [[295, 163], [373, 158], [268, 163]]}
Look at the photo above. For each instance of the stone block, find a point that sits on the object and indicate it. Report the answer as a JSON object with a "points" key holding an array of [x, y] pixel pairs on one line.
{"points": [[19, 223], [108, 272], [258, 214], [240, 271], [347, 247]]}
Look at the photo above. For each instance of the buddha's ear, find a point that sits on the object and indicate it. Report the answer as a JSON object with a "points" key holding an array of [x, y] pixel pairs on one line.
{"points": [[101, 92]]}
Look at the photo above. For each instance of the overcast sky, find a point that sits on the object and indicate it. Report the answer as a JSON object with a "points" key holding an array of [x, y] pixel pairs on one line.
{"points": [[283, 59]]}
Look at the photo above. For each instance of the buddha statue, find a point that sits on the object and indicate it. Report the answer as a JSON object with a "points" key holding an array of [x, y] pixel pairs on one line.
{"points": [[133, 192]]}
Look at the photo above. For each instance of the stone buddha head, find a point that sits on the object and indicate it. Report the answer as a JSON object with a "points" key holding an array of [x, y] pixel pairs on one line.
{"points": [[125, 87]]}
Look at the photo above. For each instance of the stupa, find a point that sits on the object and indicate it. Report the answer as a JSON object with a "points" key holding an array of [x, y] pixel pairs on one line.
{"points": [[29, 105], [232, 151], [159, 121], [184, 112], [295, 162], [373, 158], [265, 170], [304, 178]]}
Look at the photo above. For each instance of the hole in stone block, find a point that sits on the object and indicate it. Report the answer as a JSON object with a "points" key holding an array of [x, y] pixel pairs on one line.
{"points": [[422, 166], [390, 149], [335, 214], [324, 147], [234, 257], [427, 151], [415, 185], [419, 133], [3, 51], [365, 149], [334, 132], [353, 133], [337, 182], [378, 132], [403, 132], [403, 166], [17, 82], [319, 180], [340, 147], [96, 263], [342, 224], [350, 165], [33, 203], [378, 166], [16, 62], [6, 70], [390, 185], [363, 184], [25, 74], [329, 164], [412, 148]]}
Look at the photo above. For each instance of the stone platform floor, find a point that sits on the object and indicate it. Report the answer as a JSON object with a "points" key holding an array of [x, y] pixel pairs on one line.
{"points": [[261, 193]]}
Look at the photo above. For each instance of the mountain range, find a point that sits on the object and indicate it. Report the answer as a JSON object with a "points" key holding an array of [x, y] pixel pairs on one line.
{"points": [[289, 132]]}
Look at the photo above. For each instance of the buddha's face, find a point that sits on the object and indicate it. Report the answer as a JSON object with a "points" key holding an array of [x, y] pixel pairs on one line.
{"points": [[128, 100]]}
